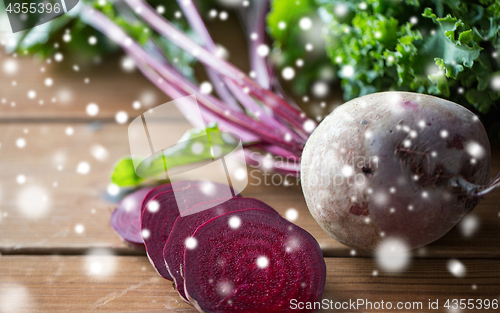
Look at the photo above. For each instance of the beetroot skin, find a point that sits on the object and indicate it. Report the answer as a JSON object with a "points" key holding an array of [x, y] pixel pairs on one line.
{"points": [[159, 215], [252, 261], [394, 164], [185, 226]]}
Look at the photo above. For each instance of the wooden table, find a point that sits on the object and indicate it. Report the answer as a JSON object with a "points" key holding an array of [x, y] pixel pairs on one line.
{"points": [[59, 254]]}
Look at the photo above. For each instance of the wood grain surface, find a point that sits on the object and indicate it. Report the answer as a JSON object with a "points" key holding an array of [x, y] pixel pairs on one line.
{"points": [[129, 284]]}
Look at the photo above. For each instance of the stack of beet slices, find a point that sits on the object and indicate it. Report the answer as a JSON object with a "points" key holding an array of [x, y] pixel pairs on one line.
{"points": [[236, 256]]}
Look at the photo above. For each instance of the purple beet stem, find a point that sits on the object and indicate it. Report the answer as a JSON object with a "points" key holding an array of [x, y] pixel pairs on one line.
{"points": [[248, 102], [289, 113], [177, 86]]}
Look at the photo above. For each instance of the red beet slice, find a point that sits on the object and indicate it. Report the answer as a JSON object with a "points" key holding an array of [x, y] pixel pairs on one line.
{"points": [[160, 213], [126, 218], [166, 187], [185, 226], [252, 261]]}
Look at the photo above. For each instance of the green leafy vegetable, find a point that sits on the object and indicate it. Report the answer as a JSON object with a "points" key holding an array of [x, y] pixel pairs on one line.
{"points": [[67, 34], [124, 173]]}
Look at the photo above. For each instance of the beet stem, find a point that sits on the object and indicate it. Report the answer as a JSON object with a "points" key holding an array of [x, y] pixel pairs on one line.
{"points": [[474, 190], [198, 26], [495, 183], [178, 86], [292, 115], [248, 102]]}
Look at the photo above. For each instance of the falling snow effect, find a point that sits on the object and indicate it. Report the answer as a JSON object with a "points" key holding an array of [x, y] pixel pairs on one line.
{"points": [[495, 82], [241, 174], [83, 168], [320, 89], [456, 268], [20, 143], [347, 71], [262, 262], [10, 66], [79, 229], [58, 57], [191, 243], [309, 126], [92, 109], [469, 225], [288, 73], [160, 9], [208, 188], [129, 203], [291, 214], [224, 288], [148, 98], [262, 50], [113, 190], [475, 150], [33, 201], [136, 105], [347, 170], [128, 64], [48, 82], [99, 152], [121, 117], [145, 233], [153, 206], [305, 23], [100, 263], [206, 87], [223, 15], [341, 10], [234, 222], [32, 94], [15, 298], [392, 255], [21, 179]]}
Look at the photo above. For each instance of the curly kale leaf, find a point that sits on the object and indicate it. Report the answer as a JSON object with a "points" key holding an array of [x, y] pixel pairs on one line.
{"points": [[445, 48]]}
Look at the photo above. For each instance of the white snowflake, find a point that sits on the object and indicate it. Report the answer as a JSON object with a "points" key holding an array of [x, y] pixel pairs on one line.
{"points": [[392, 255], [456, 268]]}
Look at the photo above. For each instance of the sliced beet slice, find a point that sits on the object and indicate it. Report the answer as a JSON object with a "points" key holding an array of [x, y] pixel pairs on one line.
{"points": [[252, 261], [159, 215], [185, 226], [166, 187], [126, 218]]}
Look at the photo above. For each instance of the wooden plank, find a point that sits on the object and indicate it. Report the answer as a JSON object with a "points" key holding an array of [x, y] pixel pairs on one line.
{"points": [[130, 284], [111, 88], [351, 279], [79, 199]]}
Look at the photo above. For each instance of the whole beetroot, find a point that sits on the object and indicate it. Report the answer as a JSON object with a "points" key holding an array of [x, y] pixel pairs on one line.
{"points": [[395, 164]]}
